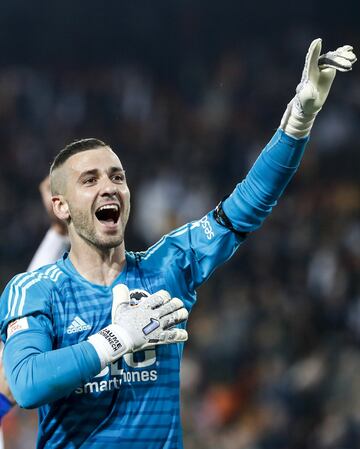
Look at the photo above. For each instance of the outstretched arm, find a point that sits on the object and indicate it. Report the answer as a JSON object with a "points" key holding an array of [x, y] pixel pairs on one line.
{"points": [[254, 198], [192, 252]]}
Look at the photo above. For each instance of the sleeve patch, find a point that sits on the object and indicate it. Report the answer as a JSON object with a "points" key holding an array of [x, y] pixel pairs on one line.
{"points": [[20, 324]]}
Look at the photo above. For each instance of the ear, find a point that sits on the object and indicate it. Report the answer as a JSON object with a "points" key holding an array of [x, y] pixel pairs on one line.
{"points": [[60, 207]]}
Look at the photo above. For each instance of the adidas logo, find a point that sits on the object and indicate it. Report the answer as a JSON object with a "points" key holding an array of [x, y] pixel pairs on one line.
{"points": [[77, 325]]}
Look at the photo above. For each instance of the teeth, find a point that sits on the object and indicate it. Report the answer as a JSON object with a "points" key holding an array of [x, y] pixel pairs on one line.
{"points": [[109, 206]]}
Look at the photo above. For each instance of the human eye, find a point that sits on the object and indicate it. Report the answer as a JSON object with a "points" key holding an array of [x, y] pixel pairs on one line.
{"points": [[89, 180], [118, 177]]}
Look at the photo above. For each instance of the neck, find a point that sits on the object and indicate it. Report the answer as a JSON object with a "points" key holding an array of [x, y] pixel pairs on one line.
{"points": [[99, 266]]}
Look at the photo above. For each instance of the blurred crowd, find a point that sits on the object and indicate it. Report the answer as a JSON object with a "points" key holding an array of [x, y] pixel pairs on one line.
{"points": [[273, 356]]}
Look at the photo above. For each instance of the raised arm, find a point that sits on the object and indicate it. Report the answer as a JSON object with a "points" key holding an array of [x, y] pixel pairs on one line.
{"points": [[254, 198], [209, 242]]}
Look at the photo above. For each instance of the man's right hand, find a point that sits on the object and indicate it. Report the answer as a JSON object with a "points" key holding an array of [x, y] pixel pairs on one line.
{"points": [[136, 327]]}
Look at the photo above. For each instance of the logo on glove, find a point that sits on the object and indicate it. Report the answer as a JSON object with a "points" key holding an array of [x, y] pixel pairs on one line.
{"points": [[154, 324], [136, 296]]}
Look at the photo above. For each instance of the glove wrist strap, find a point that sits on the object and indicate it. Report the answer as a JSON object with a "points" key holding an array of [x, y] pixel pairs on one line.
{"points": [[110, 344], [294, 122]]}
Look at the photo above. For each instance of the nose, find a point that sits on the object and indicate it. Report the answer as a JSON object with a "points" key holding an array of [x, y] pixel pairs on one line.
{"points": [[108, 188]]}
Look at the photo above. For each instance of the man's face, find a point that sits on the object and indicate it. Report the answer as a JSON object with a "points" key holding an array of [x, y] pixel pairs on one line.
{"points": [[96, 197]]}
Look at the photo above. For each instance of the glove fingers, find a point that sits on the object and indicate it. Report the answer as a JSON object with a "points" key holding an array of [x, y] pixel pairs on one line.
{"points": [[341, 59], [166, 337], [121, 296], [171, 306], [343, 63], [347, 51], [311, 61], [174, 318], [326, 64], [157, 299], [345, 48], [173, 336], [349, 55]]}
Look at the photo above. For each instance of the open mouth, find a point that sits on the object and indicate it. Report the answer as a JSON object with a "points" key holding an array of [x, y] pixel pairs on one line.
{"points": [[108, 213]]}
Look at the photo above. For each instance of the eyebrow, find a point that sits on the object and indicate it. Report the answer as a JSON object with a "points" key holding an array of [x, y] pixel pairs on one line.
{"points": [[116, 169], [95, 171]]}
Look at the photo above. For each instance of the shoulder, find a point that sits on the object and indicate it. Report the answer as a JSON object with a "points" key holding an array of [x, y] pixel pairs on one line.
{"points": [[167, 245], [44, 277], [169, 255], [26, 280], [29, 292]]}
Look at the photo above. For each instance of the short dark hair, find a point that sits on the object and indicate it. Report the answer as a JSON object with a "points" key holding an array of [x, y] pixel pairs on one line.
{"points": [[75, 147]]}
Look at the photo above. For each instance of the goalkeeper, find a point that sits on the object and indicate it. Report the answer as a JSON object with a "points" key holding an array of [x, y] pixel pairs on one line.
{"points": [[95, 340]]}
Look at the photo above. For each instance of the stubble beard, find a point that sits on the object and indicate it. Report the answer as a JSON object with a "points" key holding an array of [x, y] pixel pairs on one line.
{"points": [[87, 231]]}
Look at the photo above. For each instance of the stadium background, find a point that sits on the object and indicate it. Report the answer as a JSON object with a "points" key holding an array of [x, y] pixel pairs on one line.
{"points": [[188, 93]]}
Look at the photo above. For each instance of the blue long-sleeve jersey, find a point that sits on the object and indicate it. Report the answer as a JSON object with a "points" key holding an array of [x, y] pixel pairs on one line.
{"points": [[47, 315]]}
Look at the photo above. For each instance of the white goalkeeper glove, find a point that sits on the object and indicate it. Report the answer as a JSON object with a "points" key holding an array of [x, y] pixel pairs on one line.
{"points": [[317, 77], [136, 327]]}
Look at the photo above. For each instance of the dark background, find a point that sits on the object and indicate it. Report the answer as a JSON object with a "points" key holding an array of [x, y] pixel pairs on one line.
{"points": [[188, 93]]}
